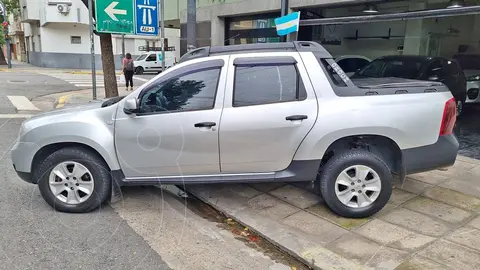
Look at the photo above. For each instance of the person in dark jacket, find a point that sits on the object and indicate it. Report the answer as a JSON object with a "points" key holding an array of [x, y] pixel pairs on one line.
{"points": [[128, 70]]}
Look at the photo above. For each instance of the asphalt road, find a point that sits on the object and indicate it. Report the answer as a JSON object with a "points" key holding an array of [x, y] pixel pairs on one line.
{"points": [[34, 236]]}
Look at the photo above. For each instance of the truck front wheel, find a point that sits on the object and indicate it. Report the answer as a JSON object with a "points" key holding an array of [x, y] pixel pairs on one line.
{"points": [[74, 180], [355, 183]]}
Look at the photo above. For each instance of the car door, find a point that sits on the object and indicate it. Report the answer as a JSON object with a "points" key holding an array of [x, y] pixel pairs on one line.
{"points": [[175, 131], [151, 62], [267, 115], [455, 79]]}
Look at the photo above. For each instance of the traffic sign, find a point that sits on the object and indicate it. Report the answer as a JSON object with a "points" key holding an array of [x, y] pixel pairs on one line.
{"points": [[115, 16], [147, 17]]}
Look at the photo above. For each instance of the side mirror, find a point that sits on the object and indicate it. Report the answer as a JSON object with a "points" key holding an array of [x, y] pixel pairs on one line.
{"points": [[130, 106], [433, 78]]}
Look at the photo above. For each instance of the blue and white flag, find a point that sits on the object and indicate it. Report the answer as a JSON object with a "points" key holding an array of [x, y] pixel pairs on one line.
{"points": [[288, 24]]}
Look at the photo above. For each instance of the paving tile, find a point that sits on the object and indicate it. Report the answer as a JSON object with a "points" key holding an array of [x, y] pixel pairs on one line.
{"points": [[416, 222], [317, 227], [296, 196], [364, 251], [419, 262], [400, 196], [271, 207], [438, 210], [465, 183], [393, 235], [267, 187], [459, 167], [414, 186], [466, 236], [475, 223], [323, 211], [475, 170], [429, 177], [452, 255], [226, 199], [386, 209], [454, 198], [468, 160]]}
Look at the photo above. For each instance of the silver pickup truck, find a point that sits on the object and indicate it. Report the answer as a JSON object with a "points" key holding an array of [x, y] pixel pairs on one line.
{"points": [[278, 112]]}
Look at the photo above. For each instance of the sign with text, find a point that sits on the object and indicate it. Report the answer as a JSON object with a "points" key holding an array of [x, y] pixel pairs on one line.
{"points": [[147, 17], [115, 16]]}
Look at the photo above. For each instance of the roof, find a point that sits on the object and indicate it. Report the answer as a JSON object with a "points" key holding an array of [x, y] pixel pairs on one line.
{"points": [[411, 57], [296, 46]]}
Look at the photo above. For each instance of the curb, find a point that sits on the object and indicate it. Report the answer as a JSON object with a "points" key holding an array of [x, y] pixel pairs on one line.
{"points": [[60, 102], [89, 72]]}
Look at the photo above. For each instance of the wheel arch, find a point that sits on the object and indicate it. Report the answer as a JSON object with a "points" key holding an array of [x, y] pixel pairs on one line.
{"points": [[382, 146], [49, 149]]}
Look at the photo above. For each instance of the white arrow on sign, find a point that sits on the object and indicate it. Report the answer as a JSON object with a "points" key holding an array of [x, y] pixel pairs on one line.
{"points": [[111, 11]]}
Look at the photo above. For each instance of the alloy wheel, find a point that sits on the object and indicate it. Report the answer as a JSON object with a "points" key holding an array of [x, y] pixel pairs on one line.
{"points": [[358, 186], [71, 182]]}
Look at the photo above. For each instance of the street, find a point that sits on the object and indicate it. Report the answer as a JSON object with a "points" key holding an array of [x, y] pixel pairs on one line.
{"points": [[148, 229]]}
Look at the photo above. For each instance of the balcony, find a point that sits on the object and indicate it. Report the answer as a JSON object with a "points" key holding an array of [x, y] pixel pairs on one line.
{"points": [[30, 11]]}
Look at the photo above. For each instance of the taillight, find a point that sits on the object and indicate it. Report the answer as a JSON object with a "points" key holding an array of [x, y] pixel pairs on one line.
{"points": [[449, 117]]}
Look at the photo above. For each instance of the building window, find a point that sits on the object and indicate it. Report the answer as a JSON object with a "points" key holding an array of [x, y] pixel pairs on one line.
{"points": [[76, 40]]}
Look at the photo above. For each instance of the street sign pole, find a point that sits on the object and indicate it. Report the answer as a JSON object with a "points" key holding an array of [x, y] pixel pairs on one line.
{"points": [[162, 30], [92, 49], [123, 46]]}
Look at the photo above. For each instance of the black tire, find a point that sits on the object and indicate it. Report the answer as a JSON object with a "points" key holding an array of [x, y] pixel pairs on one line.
{"points": [[343, 160], [139, 70], [97, 167]]}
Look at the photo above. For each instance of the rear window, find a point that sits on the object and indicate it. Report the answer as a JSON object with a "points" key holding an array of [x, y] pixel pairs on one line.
{"points": [[401, 68]]}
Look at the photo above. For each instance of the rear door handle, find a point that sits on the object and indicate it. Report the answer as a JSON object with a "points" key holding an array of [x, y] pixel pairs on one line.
{"points": [[296, 117], [205, 124]]}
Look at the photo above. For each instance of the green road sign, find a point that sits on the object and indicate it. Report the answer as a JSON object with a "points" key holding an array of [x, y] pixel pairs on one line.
{"points": [[115, 16]]}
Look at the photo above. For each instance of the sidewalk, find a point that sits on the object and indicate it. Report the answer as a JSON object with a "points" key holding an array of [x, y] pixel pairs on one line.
{"points": [[432, 222]]}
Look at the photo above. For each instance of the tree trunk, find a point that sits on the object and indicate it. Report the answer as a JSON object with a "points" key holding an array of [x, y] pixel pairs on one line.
{"points": [[2, 57], [108, 63]]}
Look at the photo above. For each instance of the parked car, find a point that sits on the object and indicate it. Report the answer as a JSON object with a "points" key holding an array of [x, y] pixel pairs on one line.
{"points": [[438, 69], [282, 112], [470, 64], [352, 63], [152, 62]]}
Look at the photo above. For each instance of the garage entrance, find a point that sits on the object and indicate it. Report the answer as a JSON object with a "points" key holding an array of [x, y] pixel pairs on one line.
{"points": [[428, 40]]}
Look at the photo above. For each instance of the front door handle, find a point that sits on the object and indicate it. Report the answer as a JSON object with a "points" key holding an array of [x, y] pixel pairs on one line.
{"points": [[296, 117], [205, 124]]}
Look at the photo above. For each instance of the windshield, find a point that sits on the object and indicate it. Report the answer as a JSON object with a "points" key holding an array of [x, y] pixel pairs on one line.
{"points": [[469, 61], [141, 57], [401, 68]]}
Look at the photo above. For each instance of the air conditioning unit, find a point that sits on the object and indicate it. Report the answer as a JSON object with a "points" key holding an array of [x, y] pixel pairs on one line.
{"points": [[63, 8]]}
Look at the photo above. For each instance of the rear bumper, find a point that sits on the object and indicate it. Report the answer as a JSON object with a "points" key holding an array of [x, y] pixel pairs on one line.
{"points": [[441, 154]]}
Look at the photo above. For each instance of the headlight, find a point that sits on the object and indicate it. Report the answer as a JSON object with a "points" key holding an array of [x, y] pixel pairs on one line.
{"points": [[473, 78]]}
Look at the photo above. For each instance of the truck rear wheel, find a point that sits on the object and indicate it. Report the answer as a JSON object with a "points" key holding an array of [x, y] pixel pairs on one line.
{"points": [[355, 184], [139, 70], [74, 180]]}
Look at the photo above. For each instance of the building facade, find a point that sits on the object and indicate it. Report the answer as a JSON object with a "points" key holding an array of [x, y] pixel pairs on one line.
{"points": [[59, 37], [225, 22]]}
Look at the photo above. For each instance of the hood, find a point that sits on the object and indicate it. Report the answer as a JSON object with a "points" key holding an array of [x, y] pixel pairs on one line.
{"points": [[370, 82], [71, 108]]}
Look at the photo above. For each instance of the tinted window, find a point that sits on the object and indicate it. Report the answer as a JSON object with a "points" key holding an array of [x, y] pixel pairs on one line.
{"points": [[373, 69], [435, 69], [395, 67], [452, 67], [193, 91], [352, 64], [468, 61], [255, 85], [152, 57]]}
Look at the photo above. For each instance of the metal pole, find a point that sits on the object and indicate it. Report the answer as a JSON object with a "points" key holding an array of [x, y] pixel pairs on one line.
{"points": [[162, 32], [191, 24], [284, 10], [92, 49], [123, 45]]}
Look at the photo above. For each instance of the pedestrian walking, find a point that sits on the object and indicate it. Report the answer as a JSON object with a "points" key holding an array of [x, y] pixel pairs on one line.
{"points": [[128, 70]]}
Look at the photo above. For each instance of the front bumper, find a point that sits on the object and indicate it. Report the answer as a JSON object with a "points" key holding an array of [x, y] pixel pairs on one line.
{"points": [[441, 154], [473, 92], [22, 157]]}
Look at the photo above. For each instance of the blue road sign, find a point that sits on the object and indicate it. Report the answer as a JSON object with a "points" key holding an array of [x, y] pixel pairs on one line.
{"points": [[147, 17]]}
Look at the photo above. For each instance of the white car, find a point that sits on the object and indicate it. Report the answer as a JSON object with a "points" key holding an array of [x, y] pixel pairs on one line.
{"points": [[470, 64], [152, 62], [351, 63]]}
